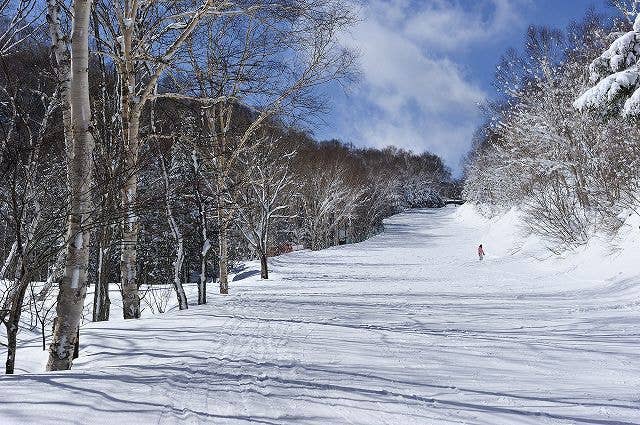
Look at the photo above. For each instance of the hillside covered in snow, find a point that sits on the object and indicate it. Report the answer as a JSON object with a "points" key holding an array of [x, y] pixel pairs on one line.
{"points": [[406, 327]]}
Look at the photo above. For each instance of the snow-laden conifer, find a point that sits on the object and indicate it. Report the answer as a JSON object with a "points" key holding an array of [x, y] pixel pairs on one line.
{"points": [[615, 77]]}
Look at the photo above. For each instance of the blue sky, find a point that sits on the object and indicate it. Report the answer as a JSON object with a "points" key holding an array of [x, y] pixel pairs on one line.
{"points": [[426, 64]]}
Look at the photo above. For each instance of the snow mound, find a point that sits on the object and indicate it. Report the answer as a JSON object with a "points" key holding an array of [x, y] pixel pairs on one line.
{"points": [[502, 233], [603, 260], [469, 214]]}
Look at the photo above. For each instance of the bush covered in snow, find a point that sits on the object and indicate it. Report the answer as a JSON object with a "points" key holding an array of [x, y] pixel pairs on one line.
{"points": [[571, 172]]}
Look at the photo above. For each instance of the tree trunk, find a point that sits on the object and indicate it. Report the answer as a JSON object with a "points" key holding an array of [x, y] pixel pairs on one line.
{"points": [[13, 322], [73, 287], [76, 347], [264, 269], [202, 283], [206, 243], [130, 227], [179, 239], [63, 73], [12, 332], [44, 335], [223, 230], [8, 260], [101, 301], [177, 282], [224, 257]]}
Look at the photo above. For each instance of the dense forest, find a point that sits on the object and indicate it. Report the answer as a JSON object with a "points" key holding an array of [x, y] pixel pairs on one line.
{"points": [[165, 143]]}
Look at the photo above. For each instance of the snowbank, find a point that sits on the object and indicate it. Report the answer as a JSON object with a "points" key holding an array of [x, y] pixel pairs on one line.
{"points": [[603, 260], [501, 234], [616, 257]]}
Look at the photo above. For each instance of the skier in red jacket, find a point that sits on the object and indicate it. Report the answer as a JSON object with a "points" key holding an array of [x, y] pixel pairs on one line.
{"points": [[480, 252]]}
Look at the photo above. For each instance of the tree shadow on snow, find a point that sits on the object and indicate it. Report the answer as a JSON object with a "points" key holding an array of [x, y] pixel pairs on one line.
{"points": [[245, 275]]}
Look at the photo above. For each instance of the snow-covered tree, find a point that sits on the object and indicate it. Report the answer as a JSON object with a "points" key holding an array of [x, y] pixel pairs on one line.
{"points": [[563, 168], [263, 196], [615, 76], [331, 189]]}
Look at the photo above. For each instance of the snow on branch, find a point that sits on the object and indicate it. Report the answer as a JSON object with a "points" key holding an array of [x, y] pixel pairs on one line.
{"points": [[615, 76], [609, 89]]}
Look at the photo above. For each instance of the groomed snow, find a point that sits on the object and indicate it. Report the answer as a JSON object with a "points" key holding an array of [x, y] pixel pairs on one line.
{"points": [[408, 327]]}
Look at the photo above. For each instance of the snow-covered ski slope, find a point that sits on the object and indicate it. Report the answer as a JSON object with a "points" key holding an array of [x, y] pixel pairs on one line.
{"points": [[408, 327]]}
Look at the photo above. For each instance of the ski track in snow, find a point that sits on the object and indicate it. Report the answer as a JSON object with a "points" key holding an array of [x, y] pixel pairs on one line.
{"points": [[405, 328]]}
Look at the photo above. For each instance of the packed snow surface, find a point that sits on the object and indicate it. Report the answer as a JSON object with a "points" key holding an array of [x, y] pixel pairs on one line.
{"points": [[408, 327]]}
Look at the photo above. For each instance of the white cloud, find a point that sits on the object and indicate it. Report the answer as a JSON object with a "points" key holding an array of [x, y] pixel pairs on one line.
{"points": [[453, 25], [447, 140], [418, 92], [398, 69]]}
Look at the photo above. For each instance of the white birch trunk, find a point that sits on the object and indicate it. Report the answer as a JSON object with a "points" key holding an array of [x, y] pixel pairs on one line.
{"points": [[73, 287], [223, 222], [63, 72], [101, 301], [206, 245], [179, 239], [224, 257], [130, 225], [8, 260], [177, 271]]}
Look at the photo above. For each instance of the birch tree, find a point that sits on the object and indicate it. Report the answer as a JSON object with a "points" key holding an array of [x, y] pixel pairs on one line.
{"points": [[175, 231], [73, 287], [28, 102], [62, 58], [254, 66], [108, 172], [145, 39], [263, 196], [202, 198]]}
